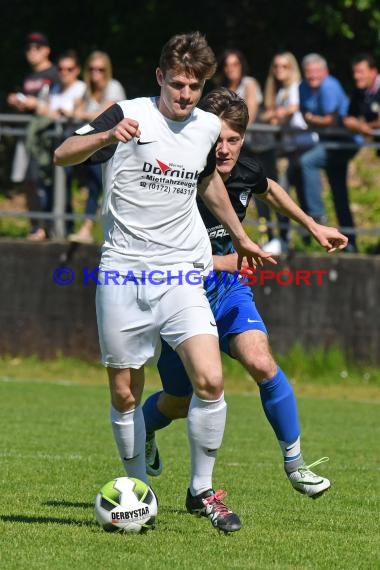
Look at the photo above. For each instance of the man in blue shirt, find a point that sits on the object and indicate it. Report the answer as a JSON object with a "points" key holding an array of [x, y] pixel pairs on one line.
{"points": [[324, 104]]}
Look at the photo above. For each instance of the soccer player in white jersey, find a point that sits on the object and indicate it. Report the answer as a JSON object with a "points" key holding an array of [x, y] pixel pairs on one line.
{"points": [[155, 251]]}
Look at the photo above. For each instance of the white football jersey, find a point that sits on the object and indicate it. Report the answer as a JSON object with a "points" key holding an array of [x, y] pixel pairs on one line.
{"points": [[150, 216]]}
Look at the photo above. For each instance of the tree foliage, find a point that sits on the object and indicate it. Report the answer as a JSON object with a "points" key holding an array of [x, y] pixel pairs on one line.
{"points": [[346, 16]]}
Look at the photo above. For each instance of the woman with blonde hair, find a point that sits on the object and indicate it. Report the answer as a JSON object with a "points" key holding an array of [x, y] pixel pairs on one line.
{"points": [[281, 95], [281, 103], [102, 91]]}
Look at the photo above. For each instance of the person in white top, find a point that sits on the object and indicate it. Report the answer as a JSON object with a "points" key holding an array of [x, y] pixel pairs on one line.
{"points": [[64, 94], [57, 102], [281, 102], [102, 91], [233, 67], [281, 97], [155, 252]]}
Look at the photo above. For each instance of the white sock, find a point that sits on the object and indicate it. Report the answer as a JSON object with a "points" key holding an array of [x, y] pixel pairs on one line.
{"points": [[129, 433], [205, 426]]}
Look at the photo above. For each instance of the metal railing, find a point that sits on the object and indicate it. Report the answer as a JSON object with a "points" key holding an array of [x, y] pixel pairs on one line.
{"points": [[16, 126]]}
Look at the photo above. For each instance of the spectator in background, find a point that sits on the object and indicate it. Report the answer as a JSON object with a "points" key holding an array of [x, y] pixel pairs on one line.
{"points": [[102, 91], [364, 109], [43, 73], [234, 75], [324, 104], [281, 107], [65, 93], [36, 86], [60, 103]]}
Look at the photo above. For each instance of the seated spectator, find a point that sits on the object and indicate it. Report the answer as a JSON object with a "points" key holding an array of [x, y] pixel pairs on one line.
{"points": [[102, 91], [324, 104], [35, 87], [60, 103], [281, 107], [364, 109]]}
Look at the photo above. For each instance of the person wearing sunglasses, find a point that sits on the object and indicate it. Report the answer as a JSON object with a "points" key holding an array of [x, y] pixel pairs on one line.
{"points": [[281, 107], [102, 91], [42, 73], [67, 91], [59, 102]]}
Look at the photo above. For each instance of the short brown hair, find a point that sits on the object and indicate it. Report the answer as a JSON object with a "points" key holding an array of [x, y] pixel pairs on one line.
{"points": [[189, 53], [227, 105]]}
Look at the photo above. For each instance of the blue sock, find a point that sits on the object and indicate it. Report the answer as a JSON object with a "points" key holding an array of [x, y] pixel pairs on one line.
{"points": [[280, 407], [154, 419]]}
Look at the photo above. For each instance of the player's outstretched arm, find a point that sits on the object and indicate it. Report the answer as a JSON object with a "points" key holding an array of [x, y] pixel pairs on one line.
{"points": [[228, 263], [329, 238], [215, 196], [78, 148], [278, 199]]}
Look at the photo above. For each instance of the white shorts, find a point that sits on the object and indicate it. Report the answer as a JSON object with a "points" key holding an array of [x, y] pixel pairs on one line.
{"points": [[131, 318]]}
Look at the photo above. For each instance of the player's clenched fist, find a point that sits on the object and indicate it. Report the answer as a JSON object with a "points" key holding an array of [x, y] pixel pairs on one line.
{"points": [[125, 131]]}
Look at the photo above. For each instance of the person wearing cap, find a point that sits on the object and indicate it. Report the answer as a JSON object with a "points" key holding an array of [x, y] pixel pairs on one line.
{"points": [[35, 87], [43, 73]]}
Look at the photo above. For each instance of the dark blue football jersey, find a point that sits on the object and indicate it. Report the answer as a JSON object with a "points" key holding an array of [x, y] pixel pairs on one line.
{"points": [[246, 179]]}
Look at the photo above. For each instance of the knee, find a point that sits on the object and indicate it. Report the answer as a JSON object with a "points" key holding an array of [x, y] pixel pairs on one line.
{"points": [[125, 395], [209, 385], [122, 398], [261, 366]]}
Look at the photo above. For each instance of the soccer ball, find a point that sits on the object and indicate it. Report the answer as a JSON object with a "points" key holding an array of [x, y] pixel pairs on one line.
{"points": [[126, 505]]}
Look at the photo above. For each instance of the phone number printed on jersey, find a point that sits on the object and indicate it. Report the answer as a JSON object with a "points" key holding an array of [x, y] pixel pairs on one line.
{"points": [[174, 186]]}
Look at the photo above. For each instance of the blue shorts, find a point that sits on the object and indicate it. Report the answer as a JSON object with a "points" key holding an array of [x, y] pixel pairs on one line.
{"points": [[236, 313]]}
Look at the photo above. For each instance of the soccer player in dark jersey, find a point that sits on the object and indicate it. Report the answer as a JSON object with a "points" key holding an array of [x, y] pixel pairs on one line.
{"points": [[242, 332]]}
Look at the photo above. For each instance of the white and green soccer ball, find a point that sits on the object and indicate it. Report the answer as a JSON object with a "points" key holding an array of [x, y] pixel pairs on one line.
{"points": [[127, 505]]}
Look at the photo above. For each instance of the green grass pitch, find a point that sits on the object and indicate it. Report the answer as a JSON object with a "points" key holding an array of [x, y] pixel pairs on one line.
{"points": [[57, 451]]}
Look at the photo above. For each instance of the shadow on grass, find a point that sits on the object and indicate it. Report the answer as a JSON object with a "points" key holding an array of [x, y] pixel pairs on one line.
{"points": [[68, 504], [44, 520], [62, 503], [175, 511], [68, 521]]}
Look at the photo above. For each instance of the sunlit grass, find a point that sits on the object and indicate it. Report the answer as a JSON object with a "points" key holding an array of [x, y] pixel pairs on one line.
{"points": [[57, 451]]}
